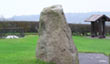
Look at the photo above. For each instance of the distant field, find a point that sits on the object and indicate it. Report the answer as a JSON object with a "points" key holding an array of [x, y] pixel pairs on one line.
{"points": [[22, 51]]}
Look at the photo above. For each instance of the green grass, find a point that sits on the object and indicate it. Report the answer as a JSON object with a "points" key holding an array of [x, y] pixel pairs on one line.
{"points": [[19, 51], [22, 51], [85, 44]]}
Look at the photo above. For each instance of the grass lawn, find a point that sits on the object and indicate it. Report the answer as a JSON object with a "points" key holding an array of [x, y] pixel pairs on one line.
{"points": [[85, 44], [22, 51]]}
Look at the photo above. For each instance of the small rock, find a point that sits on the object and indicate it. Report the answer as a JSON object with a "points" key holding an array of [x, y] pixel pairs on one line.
{"points": [[11, 37]]}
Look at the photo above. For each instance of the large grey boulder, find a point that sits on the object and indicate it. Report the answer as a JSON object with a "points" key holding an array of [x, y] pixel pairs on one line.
{"points": [[55, 43]]}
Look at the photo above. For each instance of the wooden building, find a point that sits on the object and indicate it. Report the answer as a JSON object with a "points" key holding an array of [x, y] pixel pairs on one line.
{"points": [[98, 25]]}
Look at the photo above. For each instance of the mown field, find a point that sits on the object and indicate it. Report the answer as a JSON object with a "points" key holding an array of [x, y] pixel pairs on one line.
{"points": [[22, 51]]}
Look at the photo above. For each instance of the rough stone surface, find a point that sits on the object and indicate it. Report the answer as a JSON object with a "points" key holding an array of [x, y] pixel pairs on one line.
{"points": [[55, 43]]}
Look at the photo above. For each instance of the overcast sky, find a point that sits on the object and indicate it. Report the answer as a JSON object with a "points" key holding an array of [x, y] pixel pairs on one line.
{"points": [[10, 8]]}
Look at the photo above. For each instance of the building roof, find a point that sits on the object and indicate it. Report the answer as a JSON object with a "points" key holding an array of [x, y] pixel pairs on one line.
{"points": [[94, 18]]}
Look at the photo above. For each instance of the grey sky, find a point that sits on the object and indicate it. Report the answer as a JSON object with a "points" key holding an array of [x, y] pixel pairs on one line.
{"points": [[10, 8]]}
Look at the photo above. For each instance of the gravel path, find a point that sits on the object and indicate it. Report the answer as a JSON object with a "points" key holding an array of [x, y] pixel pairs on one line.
{"points": [[92, 58]]}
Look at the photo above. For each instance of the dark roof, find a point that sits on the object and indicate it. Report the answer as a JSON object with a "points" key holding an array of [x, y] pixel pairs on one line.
{"points": [[94, 18]]}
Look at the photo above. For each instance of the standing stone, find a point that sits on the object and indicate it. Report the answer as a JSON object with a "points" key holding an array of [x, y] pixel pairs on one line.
{"points": [[55, 43]]}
